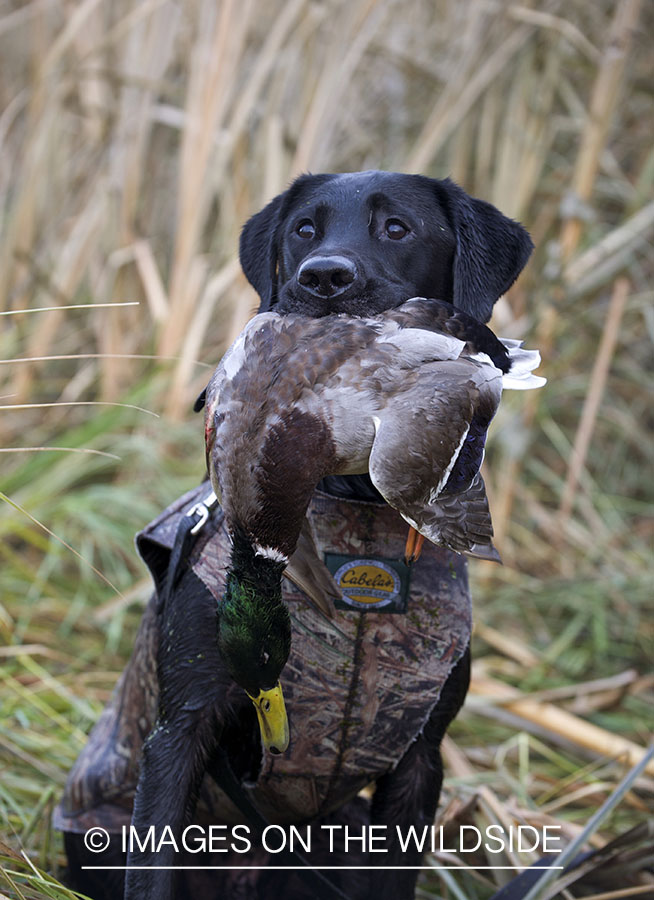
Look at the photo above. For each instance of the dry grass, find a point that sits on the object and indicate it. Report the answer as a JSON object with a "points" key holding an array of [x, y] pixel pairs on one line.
{"points": [[135, 139]]}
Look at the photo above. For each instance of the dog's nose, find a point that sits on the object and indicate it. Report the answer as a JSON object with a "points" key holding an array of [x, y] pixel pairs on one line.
{"points": [[327, 276]]}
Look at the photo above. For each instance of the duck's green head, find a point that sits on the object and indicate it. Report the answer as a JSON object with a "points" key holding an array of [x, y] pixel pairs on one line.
{"points": [[254, 637]]}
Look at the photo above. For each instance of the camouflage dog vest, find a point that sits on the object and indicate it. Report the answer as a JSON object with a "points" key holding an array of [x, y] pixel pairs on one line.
{"points": [[358, 688]]}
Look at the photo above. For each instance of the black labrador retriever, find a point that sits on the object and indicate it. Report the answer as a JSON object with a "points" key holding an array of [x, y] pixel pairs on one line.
{"points": [[353, 243]]}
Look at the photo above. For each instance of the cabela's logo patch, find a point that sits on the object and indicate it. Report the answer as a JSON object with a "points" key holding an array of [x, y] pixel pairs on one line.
{"points": [[369, 584]]}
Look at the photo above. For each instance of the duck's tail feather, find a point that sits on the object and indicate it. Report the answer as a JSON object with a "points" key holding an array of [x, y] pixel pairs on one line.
{"points": [[460, 522], [520, 376], [485, 551]]}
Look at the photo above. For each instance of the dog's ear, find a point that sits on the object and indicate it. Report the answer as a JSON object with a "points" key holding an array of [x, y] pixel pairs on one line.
{"points": [[258, 251], [259, 245], [491, 251]]}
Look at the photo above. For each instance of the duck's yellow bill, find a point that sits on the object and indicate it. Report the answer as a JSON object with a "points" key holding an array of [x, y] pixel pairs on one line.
{"points": [[273, 721]]}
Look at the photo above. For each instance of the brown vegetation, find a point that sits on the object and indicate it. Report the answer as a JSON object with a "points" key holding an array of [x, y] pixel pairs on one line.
{"points": [[135, 139]]}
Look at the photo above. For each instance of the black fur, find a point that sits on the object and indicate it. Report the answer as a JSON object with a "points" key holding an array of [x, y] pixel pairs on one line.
{"points": [[444, 245], [456, 248]]}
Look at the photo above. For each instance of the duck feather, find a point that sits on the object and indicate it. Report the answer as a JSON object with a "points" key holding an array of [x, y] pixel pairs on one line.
{"points": [[407, 396]]}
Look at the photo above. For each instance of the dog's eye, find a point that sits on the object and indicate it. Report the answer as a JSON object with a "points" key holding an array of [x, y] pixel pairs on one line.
{"points": [[305, 229], [395, 229]]}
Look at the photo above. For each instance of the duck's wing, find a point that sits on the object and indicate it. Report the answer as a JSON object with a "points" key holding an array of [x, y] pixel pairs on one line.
{"points": [[427, 452], [444, 318]]}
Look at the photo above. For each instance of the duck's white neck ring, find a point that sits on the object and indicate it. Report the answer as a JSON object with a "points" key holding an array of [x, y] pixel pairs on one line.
{"points": [[270, 553]]}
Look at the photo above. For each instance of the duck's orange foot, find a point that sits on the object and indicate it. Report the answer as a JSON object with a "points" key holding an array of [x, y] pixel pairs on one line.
{"points": [[413, 548]]}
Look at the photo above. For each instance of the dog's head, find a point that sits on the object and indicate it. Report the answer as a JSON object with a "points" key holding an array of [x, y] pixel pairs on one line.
{"points": [[363, 242]]}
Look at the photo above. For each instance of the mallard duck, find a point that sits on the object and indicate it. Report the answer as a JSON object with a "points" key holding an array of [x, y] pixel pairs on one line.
{"points": [[406, 396]]}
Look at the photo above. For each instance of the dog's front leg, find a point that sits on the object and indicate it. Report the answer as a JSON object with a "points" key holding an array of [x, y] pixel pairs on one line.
{"points": [[172, 768], [409, 795], [192, 702]]}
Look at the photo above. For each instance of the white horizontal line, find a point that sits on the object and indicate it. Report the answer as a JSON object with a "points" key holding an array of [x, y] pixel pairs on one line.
{"points": [[317, 868]]}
